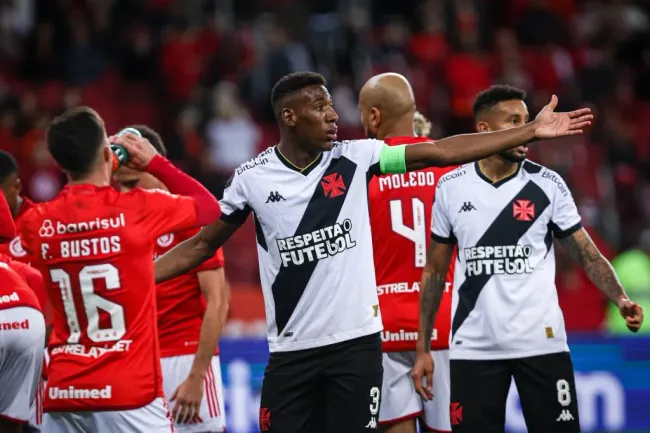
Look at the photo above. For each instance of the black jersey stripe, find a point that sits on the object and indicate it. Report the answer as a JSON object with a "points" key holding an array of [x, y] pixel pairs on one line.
{"points": [[259, 233], [504, 230], [321, 211]]}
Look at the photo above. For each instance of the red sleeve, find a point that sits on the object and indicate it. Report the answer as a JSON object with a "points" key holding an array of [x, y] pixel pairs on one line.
{"points": [[162, 212], [214, 262], [35, 282], [7, 226], [206, 205]]}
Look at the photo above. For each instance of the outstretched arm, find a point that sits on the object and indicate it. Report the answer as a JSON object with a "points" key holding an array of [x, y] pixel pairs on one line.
{"points": [[194, 251], [465, 148], [580, 246]]}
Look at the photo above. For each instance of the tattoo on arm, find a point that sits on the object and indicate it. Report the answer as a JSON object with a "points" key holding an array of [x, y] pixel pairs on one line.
{"points": [[580, 246], [430, 301]]}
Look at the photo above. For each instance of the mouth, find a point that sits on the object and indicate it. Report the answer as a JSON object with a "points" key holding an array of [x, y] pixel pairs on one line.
{"points": [[332, 133]]}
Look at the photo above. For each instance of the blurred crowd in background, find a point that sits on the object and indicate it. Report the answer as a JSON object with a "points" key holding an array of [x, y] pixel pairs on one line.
{"points": [[200, 72]]}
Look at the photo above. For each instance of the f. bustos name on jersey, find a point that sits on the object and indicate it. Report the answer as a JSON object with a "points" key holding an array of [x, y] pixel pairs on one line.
{"points": [[498, 260], [317, 245]]}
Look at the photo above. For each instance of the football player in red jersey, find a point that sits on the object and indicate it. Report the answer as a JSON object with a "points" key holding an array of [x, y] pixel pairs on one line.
{"points": [[10, 186], [7, 225], [400, 217], [21, 348], [94, 247], [192, 310]]}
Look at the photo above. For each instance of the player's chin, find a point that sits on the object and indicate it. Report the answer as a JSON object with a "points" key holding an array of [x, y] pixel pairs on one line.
{"points": [[327, 144]]}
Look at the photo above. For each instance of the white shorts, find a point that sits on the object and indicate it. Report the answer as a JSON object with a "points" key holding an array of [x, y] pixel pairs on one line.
{"points": [[175, 370], [400, 401], [152, 418], [36, 411], [22, 337]]}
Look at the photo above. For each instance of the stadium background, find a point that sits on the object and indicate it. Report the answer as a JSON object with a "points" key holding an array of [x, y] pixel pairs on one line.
{"points": [[200, 72]]}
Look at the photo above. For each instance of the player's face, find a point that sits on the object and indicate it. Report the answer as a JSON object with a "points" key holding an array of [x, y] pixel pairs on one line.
{"points": [[11, 188], [316, 119], [127, 179], [506, 115]]}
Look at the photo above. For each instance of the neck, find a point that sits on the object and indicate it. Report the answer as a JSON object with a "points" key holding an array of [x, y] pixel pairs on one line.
{"points": [[97, 179], [399, 128], [296, 154], [496, 168]]}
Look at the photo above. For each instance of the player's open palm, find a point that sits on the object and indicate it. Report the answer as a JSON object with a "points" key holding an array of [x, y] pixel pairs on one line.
{"points": [[187, 400], [423, 369], [550, 124], [632, 313], [140, 151]]}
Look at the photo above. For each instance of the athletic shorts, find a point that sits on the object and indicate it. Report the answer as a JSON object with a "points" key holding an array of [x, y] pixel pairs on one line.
{"points": [[152, 418], [329, 389], [22, 337], [400, 401], [212, 415], [36, 411], [546, 386]]}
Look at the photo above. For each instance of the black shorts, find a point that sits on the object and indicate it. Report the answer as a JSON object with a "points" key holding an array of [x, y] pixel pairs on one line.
{"points": [[335, 388], [546, 386]]}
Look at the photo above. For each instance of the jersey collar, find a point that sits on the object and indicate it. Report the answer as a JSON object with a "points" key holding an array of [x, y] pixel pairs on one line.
{"points": [[499, 182], [304, 171]]}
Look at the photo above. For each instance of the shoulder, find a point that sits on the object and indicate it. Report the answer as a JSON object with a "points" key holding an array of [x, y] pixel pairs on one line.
{"points": [[255, 163], [450, 179], [137, 194], [351, 147], [548, 179]]}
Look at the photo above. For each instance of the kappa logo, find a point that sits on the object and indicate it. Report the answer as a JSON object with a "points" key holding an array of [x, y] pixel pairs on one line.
{"points": [[275, 197], [47, 229], [165, 240], [16, 248], [467, 206], [333, 185], [565, 416], [523, 210]]}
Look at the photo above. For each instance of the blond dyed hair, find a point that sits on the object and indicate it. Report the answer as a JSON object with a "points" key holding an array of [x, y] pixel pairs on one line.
{"points": [[421, 125]]}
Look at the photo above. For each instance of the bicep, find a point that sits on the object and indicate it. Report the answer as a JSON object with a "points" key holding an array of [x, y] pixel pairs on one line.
{"points": [[580, 246], [423, 155], [213, 236]]}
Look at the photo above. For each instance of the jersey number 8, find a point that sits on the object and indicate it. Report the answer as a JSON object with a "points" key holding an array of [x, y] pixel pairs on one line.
{"points": [[417, 234], [92, 303]]}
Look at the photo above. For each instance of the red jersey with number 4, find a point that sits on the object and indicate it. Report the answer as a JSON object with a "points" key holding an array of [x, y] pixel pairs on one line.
{"points": [[14, 291], [14, 249], [94, 246], [180, 302], [400, 218]]}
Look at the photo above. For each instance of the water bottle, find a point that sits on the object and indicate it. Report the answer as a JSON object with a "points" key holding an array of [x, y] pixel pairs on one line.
{"points": [[120, 155]]}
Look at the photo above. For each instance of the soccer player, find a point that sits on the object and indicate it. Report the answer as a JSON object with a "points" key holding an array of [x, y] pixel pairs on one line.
{"points": [[308, 196], [10, 186], [400, 216], [7, 225], [192, 310], [94, 247], [22, 337], [503, 213]]}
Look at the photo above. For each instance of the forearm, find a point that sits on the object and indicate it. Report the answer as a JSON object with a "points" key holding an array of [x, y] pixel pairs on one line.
{"points": [[182, 258], [206, 205], [464, 148], [211, 328], [431, 290]]}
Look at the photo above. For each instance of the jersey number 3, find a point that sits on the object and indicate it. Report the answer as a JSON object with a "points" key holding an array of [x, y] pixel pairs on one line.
{"points": [[417, 234], [92, 303]]}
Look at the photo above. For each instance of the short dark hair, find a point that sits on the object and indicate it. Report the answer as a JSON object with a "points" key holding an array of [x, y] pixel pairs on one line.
{"points": [[294, 83], [74, 139], [498, 93], [8, 165], [153, 137]]}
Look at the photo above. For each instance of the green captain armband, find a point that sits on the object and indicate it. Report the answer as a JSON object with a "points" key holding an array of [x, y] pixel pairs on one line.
{"points": [[392, 159]]}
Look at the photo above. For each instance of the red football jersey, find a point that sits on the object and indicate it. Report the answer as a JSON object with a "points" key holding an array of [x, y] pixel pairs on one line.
{"points": [[7, 225], [94, 246], [14, 248], [180, 302], [400, 218], [14, 291]]}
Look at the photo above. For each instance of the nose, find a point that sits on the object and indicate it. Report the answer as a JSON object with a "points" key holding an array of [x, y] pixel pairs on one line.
{"points": [[331, 115]]}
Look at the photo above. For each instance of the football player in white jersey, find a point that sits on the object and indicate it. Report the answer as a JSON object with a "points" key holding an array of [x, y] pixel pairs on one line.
{"points": [[503, 213], [308, 196]]}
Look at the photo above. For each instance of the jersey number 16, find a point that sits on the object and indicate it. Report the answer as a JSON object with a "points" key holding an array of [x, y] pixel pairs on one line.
{"points": [[417, 234]]}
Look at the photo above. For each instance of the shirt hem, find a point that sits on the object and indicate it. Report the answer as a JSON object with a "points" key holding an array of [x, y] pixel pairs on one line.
{"points": [[482, 356], [326, 341]]}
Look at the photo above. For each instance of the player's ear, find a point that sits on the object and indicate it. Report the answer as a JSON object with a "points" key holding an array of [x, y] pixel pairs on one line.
{"points": [[18, 185], [375, 118], [107, 155], [288, 117], [482, 127]]}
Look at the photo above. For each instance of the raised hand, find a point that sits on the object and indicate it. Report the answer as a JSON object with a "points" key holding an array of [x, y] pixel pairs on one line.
{"points": [[141, 152], [549, 124]]}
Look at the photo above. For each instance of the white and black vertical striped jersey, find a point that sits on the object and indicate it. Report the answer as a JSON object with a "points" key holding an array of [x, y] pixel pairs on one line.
{"points": [[505, 302], [313, 241]]}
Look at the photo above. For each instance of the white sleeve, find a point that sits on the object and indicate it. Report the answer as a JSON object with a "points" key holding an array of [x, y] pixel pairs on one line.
{"points": [[441, 228], [234, 204], [365, 153], [565, 219]]}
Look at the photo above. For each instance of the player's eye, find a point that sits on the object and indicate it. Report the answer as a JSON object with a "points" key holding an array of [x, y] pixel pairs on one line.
{"points": [[319, 108]]}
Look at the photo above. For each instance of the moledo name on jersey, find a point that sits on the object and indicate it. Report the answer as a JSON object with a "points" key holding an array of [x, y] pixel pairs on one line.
{"points": [[317, 245], [501, 259]]}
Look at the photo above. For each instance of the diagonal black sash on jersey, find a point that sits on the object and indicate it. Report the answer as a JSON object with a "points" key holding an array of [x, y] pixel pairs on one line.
{"points": [[504, 230], [322, 211]]}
